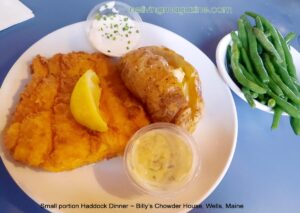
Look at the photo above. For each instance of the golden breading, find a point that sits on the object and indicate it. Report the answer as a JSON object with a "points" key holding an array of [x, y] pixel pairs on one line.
{"points": [[43, 132]]}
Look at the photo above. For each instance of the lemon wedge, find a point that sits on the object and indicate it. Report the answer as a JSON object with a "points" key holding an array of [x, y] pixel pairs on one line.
{"points": [[84, 102]]}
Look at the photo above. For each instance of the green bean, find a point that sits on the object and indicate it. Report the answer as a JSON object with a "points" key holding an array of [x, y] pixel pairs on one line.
{"points": [[228, 52], [242, 33], [267, 45], [236, 39], [276, 118], [238, 74], [286, 78], [275, 88], [268, 34], [247, 25], [259, 49], [285, 105], [248, 97], [297, 85], [258, 24], [295, 123], [246, 60], [246, 21], [286, 90], [251, 76], [256, 60], [268, 26], [228, 58], [247, 74], [254, 95], [289, 37], [288, 57], [261, 97], [271, 103]]}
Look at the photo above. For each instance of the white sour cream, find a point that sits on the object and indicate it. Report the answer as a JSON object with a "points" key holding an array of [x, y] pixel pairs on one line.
{"points": [[114, 34]]}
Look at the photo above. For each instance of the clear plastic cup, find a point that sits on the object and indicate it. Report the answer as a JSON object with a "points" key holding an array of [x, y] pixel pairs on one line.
{"points": [[165, 188], [113, 28]]}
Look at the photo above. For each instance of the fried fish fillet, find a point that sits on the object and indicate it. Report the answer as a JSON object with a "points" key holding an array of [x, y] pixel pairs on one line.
{"points": [[43, 133]]}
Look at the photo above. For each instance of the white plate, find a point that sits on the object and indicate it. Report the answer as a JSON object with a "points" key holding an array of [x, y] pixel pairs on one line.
{"points": [[105, 182], [221, 64]]}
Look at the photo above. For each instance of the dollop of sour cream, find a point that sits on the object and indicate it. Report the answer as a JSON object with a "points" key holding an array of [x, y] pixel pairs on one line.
{"points": [[114, 34]]}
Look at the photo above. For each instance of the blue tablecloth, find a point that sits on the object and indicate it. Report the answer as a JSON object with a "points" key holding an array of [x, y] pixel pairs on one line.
{"points": [[264, 175]]}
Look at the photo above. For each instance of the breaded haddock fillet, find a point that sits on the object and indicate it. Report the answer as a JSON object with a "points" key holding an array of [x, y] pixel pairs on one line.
{"points": [[43, 132]]}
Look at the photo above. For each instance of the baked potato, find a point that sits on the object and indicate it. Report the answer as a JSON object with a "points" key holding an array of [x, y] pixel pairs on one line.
{"points": [[165, 83]]}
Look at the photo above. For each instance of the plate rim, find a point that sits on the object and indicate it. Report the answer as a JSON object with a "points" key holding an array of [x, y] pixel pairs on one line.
{"points": [[234, 109]]}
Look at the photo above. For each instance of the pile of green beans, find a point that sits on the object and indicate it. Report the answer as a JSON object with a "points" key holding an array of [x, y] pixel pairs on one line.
{"points": [[261, 63]]}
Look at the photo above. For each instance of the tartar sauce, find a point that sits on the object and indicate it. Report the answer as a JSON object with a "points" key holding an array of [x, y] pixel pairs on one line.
{"points": [[160, 159], [114, 34]]}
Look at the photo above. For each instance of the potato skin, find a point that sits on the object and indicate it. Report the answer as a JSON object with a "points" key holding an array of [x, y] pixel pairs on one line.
{"points": [[148, 73]]}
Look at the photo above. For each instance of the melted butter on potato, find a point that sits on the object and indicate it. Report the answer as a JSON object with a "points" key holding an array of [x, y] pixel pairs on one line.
{"points": [[180, 76]]}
